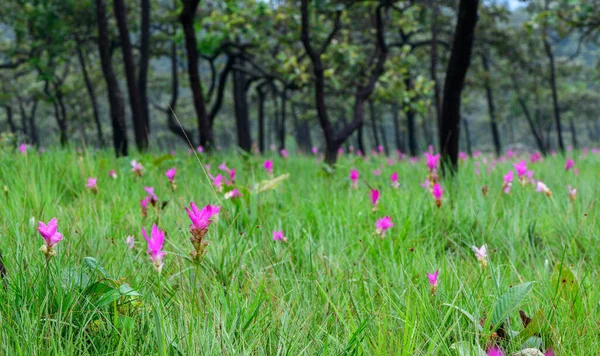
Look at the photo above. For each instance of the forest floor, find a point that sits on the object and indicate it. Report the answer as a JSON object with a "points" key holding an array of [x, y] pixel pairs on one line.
{"points": [[334, 287]]}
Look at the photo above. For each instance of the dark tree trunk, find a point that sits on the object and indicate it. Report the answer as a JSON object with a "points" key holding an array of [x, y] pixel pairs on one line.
{"points": [[9, 119], [301, 132], [538, 138], [187, 21], [29, 121], [144, 61], [282, 130], [555, 105], [573, 133], [91, 92], [374, 125], [62, 122], [240, 102], [437, 102], [360, 139], [139, 122], [24, 124], [468, 137], [460, 59], [410, 120], [261, 119], [491, 108], [175, 126], [384, 140], [400, 145], [115, 98]]}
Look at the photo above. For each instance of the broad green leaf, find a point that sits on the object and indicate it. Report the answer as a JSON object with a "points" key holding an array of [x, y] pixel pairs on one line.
{"points": [[93, 264], [564, 281], [464, 348], [508, 302], [534, 327]]}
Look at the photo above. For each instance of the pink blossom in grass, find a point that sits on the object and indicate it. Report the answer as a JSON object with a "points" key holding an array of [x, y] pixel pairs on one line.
{"points": [[354, 178], [136, 167], [394, 180], [207, 167], [201, 219], [231, 180], [380, 148], [433, 280], [521, 168], [232, 194], [315, 150], [340, 151], [200, 149], [569, 164], [284, 153], [151, 195], [112, 174], [217, 181], [481, 254], [223, 167], [377, 172], [535, 157], [278, 236], [268, 166], [508, 178], [437, 193], [92, 185], [130, 241], [495, 351], [155, 245], [382, 225], [477, 154], [542, 188], [572, 193], [23, 148], [170, 173], [549, 352], [576, 171], [51, 237], [144, 204], [359, 153], [553, 153], [463, 156], [351, 149], [432, 161], [374, 197], [569, 148]]}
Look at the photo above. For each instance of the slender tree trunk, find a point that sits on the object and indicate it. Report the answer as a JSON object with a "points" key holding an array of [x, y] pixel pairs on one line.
{"points": [[555, 105], [491, 108], [374, 125], [468, 137], [29, 121], [139, 122], [400, 144], [240, 102], [9, 119], [24, 126], [261, 119], [437, 102], [187, 21], [360, 139], [460, 59], [91, 92], [384, 140], [282, 130], [538, 138], [62, 123], [115, 98], [175, 126], [573, 133], [144, 62]]}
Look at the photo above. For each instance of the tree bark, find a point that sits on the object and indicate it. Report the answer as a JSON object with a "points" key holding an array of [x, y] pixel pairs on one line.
{"points": [[434, 59], [115, 98], [174, 126], [144, 62], [62, 124], [139, 123], [9, 119], [485, 61], [536, 135], [374, 125], [91, 92], [555, 105], [400, 144], [282, 130], [573, 133], [360, 139], [460, 59], [261, 119], [468, 137], [187, 21], [29, 120], [240, 102], [384, 140]]}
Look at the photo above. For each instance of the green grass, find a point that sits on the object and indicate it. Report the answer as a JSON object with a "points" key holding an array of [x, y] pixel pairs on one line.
{"points": [[333, 288]]}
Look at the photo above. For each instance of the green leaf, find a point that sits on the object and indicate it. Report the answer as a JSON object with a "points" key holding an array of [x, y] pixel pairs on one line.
{"points": [[508, 302], [463, 348], [534, 327], [564, 281], [93, 264], [126, 290]]}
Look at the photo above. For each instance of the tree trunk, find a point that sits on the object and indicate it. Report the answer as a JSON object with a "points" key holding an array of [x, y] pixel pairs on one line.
{"points": [[491, 108], [144, 62], [9, 119], [573, 133], [460, 59], [24, 125], [261, 119], [468, 137], [91, 92], [360, 139], [115, 98], [62, 123], [282, 130], [29, 122], [548, 48], [240, 102], [384, 141], [437, 102], [538, 138], [139, 122], [374, 125], [400, 145], [187, 21], [175, 126]]}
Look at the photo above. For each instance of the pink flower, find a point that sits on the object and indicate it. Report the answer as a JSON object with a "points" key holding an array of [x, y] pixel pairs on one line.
{"points": [[201, 219], [569, 164], [377, 172], [432, 161], [171, 174], [232, 194], [152, 197], [508, 178], [572, 193], [217, 181], [481, 254], [463, 156], [200, 149], [382, 225], [223, 167], [394, 180], [112, 174], [231, 173], [48, 232], [136, 167], [437, 193], [278, 236], [315, 150], [144, 204], [284, 153], [91, 184], [433, 278], [23, 148], [155, 245], [535, 157], [268, 165], [426, 184], [380, 148], [542, 188], [495, 351], [130, 241], [374, 197], [354, 178], [521, 168]]}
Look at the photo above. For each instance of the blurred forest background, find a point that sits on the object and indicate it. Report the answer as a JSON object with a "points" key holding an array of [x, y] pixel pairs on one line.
{"points": [[298, 74]]}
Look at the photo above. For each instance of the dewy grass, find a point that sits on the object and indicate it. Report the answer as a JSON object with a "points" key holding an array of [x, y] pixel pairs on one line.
{"points": [[343, 282]]}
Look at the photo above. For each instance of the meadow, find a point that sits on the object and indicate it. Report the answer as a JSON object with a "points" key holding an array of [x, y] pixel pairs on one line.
{"points": [[330, 283]]}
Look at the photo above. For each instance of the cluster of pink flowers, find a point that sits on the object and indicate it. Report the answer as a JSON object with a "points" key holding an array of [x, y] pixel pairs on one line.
{"points": [[201, 220]]}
